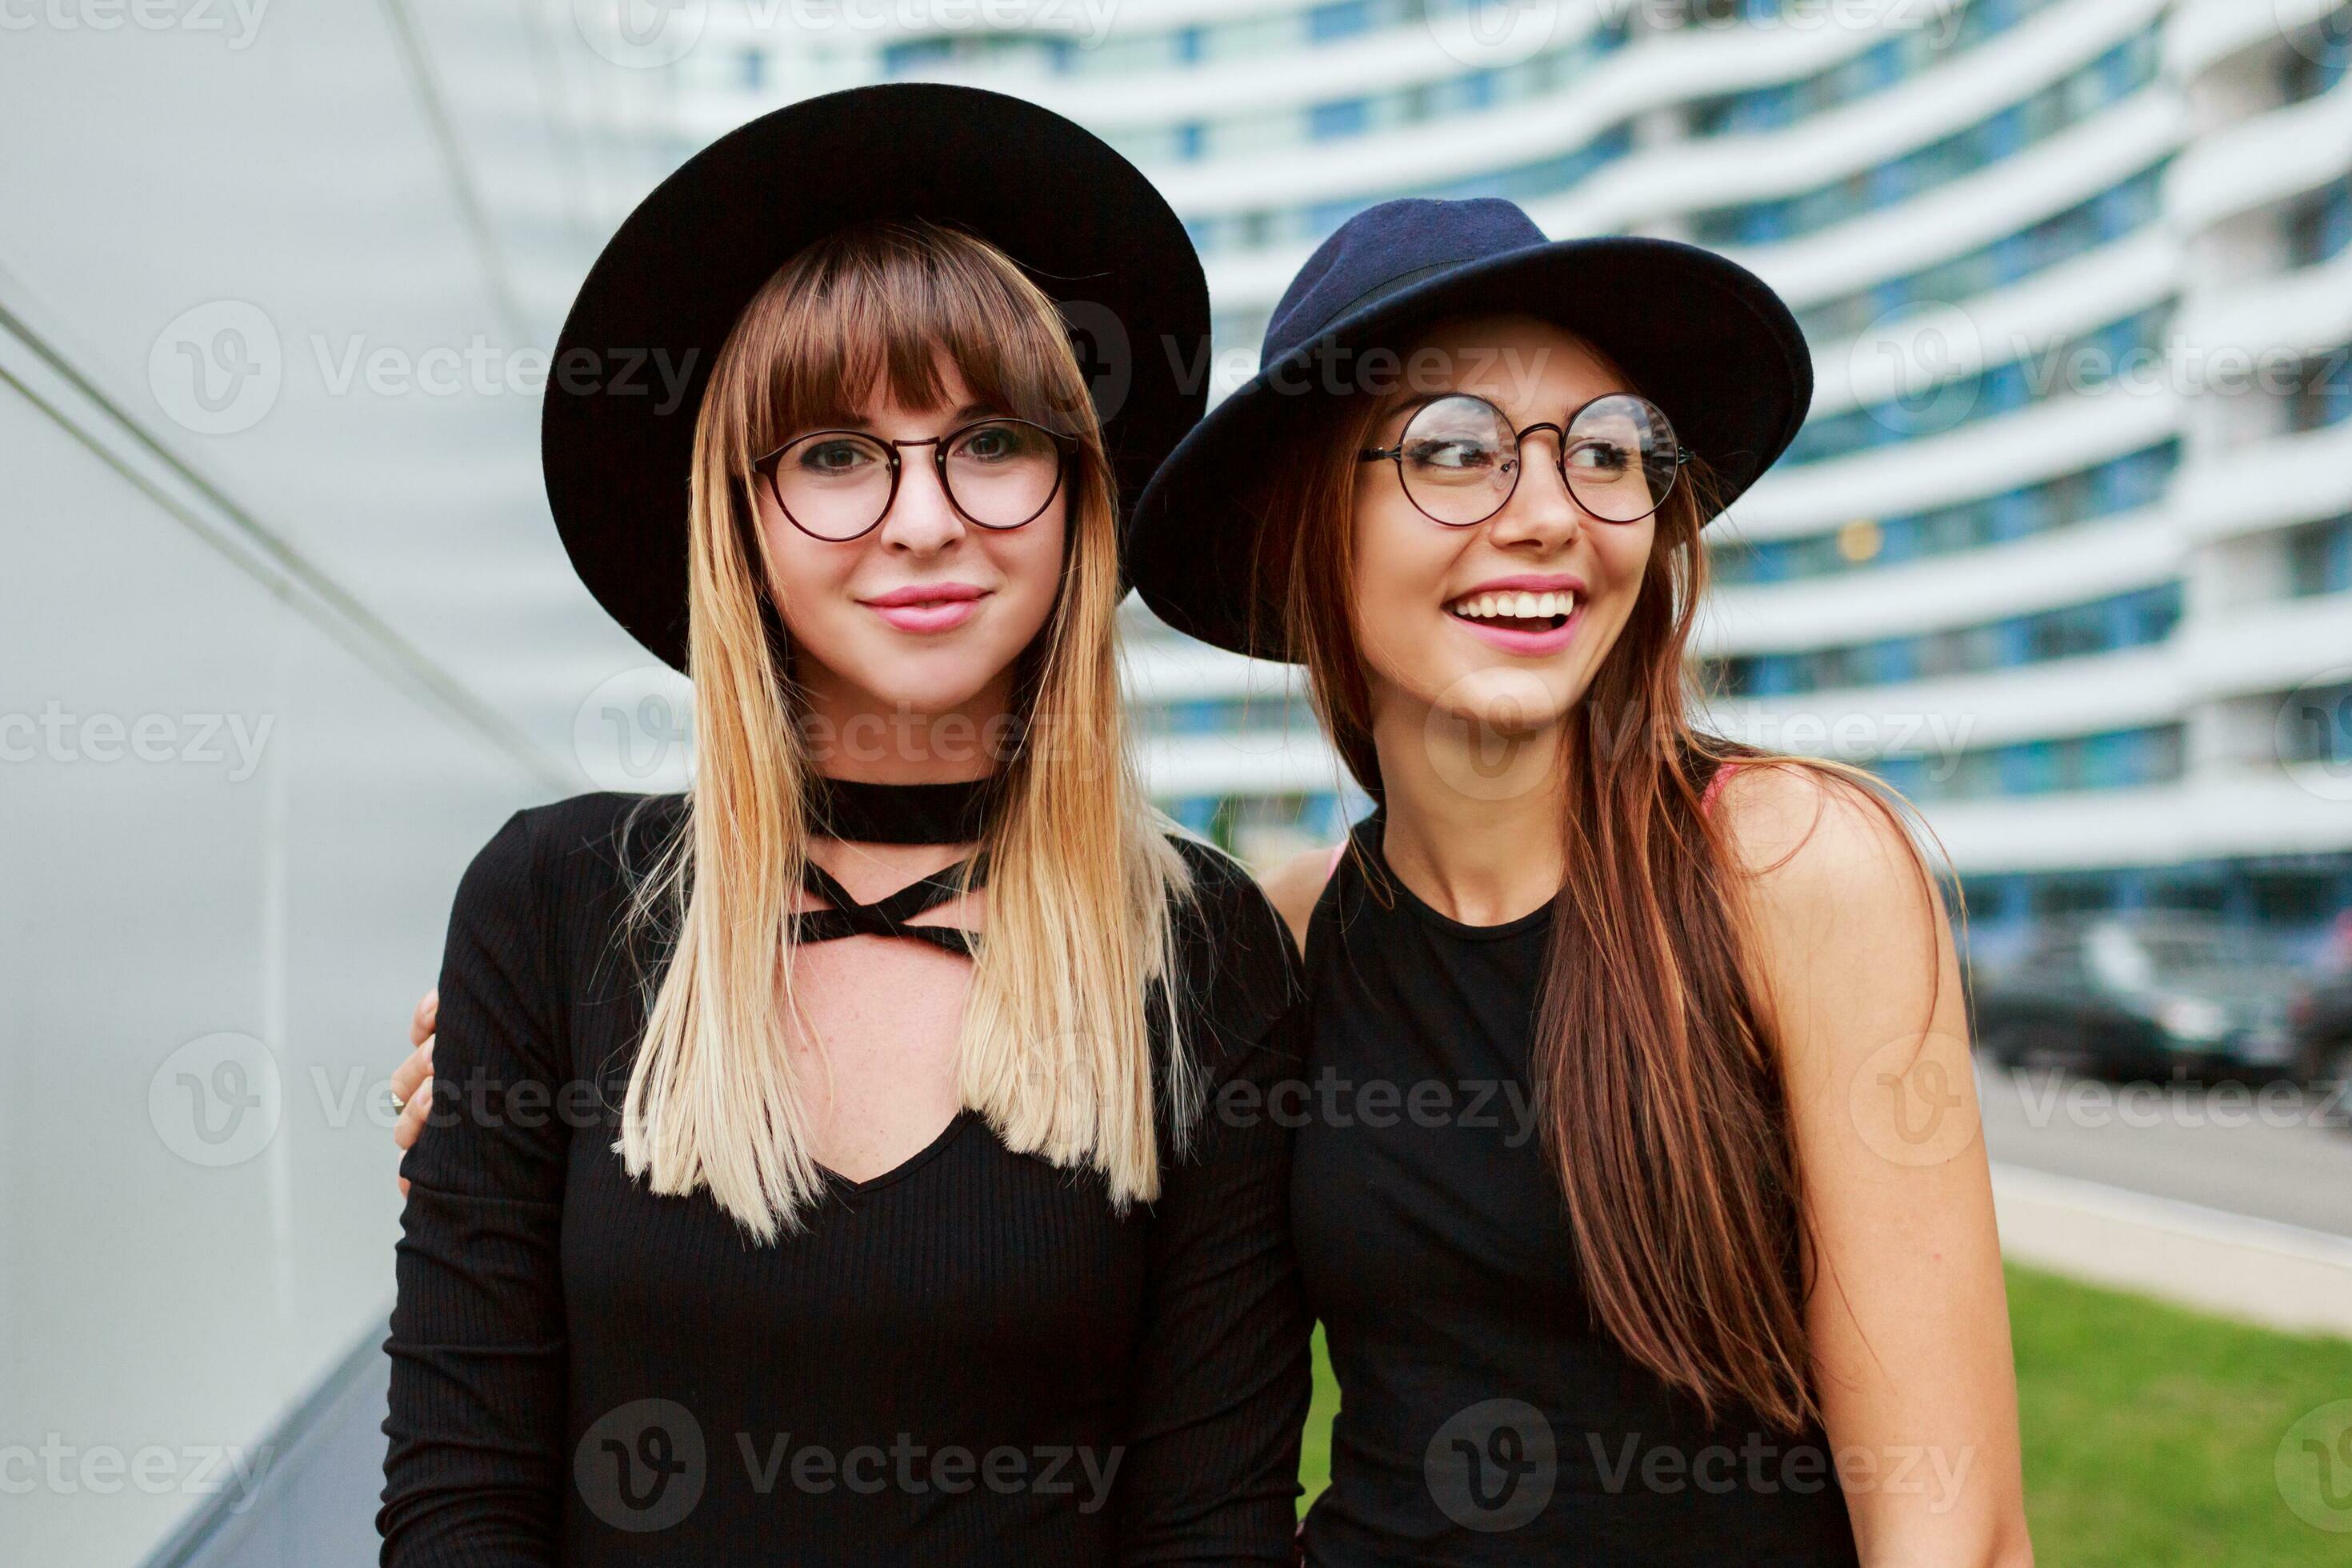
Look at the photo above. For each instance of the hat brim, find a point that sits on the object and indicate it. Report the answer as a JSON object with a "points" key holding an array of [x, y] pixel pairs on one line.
{"points": [[625, 384], [1699, 335]]}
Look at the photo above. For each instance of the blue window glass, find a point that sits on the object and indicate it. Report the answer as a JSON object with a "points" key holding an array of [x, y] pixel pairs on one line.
{"points": [[2027, 769], [1909, 774], [1766, 109], [2005, 390], [1198, 717], [1343, 19], [2336, 224], [2004, 134], [2012, 515], [915, 55], [1890, 182], [1883, 67], [1325, 216], [1342, 116], [2116, 71], [1899, 539]]}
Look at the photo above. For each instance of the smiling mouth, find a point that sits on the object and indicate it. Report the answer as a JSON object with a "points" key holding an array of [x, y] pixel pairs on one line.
{"points": [[928, 610], [1515, 612]]}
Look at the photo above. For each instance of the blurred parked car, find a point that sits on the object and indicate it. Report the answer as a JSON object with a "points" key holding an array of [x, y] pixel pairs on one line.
{"points": [[2321, 1017], [2147, 996]]}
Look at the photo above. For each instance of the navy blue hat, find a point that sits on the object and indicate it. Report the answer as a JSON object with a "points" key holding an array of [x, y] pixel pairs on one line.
{"points": [[1700, 336], [1084, 223]]}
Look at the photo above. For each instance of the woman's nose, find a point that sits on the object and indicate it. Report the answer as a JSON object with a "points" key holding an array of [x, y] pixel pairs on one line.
{"points": [[923, 519]]}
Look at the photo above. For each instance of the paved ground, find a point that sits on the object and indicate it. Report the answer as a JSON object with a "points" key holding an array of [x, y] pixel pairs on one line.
{"points": [[2275, 1153]]}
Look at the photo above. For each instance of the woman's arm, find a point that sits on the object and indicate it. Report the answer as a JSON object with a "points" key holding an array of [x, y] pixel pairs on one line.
{"points": [[475, 1470], [1909, 1316], [1222, 1375]]}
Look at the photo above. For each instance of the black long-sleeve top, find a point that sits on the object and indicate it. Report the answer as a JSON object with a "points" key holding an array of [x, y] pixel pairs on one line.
{"points": [[970, 1358]]}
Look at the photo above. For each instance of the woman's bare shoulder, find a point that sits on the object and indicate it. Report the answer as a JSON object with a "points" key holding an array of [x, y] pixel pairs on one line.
{"points": [[1294, 886]]}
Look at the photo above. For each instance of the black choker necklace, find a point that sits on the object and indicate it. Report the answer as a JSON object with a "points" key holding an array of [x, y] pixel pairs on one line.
{"points": [[862, 813]]}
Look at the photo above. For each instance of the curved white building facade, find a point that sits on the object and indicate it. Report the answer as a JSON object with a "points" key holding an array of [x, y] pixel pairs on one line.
{"points": [[2065, 550]]}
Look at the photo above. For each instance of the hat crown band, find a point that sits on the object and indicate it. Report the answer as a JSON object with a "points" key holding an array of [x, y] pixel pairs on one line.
{"points": [[1387, 247]]}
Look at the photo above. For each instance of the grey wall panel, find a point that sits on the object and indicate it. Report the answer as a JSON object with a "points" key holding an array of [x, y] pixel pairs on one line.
{"points": [[177, 1275]]}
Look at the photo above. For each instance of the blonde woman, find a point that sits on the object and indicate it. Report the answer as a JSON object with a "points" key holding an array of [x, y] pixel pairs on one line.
{"points": [[817, 1168]]}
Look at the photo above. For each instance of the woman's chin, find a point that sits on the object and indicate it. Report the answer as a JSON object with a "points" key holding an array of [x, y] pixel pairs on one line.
{"points": [[1501, 699]]}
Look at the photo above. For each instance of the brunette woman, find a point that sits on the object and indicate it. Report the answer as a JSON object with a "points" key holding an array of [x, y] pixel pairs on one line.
{"points": [[817, 1170], [1638, 1188]]}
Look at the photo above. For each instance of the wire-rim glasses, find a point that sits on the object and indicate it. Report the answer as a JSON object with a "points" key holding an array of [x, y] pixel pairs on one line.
{"points": [[1459, 458]]}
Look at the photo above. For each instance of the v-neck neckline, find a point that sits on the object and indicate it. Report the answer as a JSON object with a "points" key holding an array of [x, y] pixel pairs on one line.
{"points": [[906, 1167]]}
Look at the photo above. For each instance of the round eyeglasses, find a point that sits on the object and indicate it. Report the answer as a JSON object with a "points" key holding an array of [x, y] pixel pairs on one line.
{"points": [[837, 485], [1459, 458]]}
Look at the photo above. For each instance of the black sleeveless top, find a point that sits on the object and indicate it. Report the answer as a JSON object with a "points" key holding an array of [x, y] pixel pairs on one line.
{"points": [[1484, 1417]]}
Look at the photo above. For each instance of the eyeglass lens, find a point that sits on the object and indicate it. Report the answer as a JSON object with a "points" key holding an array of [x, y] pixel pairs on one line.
{"points": [[1460, 459], [836, 484]]}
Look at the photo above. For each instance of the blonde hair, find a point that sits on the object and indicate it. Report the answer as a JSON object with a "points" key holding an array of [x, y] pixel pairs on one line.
{"points": [[1055, 1050]]}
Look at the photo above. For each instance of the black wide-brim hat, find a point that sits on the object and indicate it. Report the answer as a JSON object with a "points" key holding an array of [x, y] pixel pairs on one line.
{"points": [[625, 384], [1700, 336]]}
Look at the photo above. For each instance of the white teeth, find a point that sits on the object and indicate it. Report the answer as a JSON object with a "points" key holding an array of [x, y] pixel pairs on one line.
{"points": [[1519, 606]]}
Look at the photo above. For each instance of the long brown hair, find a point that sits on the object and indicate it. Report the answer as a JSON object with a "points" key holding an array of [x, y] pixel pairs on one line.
{"points": [[1054, 1048], [1654, 1068]]}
